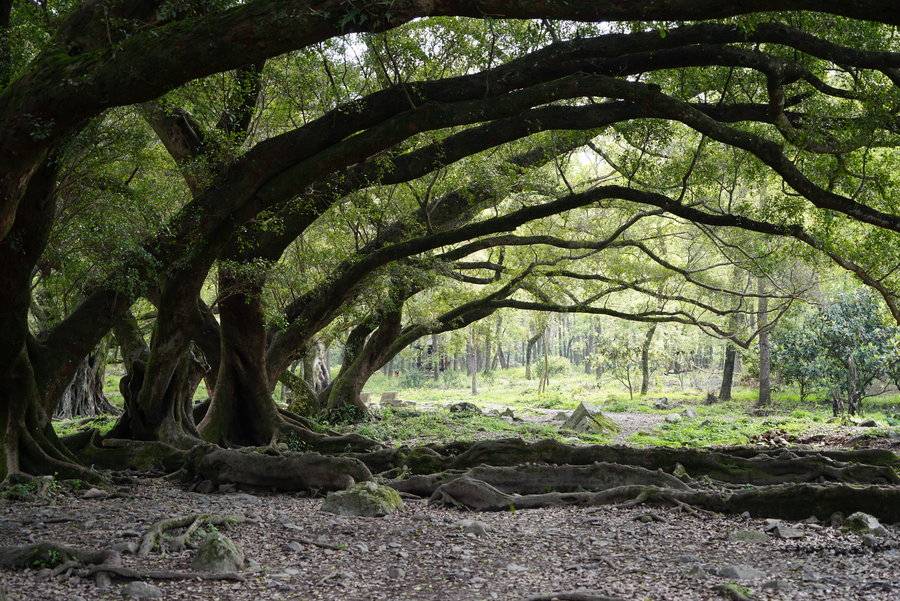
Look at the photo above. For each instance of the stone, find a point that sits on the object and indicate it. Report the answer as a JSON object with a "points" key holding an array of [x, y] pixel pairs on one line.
{"points": [[464, 407], [366, 499], [508, 413], [748, 536], [205, 487], [782, 531], [217, 553], [294, 546], [770, 524], [689, 413], [141, 590], [673, 418], [661, 404], [473, 527], [389, 399], [740, 572], [868, 423], [863, 523], [94, 493], [588, 418], [687, 558]]}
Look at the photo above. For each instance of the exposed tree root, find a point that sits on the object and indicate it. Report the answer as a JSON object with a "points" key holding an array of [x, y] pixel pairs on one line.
{"points": [[295, 472], [50, 554], [786, 501], [153, 535], [536, 478], [761, 470], [130, 574], [324, 443], [118, 453]]}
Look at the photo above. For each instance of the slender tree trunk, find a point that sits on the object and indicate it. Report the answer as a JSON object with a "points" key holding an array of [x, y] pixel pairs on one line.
{"points": [[728, 372], [435, 357], [471, 361], [645, 360], [765, 356], [529, 348]]}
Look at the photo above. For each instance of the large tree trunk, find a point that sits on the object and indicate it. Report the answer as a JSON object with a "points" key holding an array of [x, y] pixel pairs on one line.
{"points": [[242, 410], [84, 395], [360, 362], [28, 443]]}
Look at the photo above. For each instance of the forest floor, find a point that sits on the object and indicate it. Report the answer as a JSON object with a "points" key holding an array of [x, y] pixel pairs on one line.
{"points": [[295, 551]]}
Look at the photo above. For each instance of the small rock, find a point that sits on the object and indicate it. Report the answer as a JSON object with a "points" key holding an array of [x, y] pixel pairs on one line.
{"points": [[870, 541], [94, 493], [464, 407], [205, 487], [868, 423], [217, 553], [863, 523], [770, 524], [294, 546], [396, 573], [740, 572], [696, 572], [748, 536], [689, 413], [782, 531], [773, 585], [673, 418], [473, 527], [687, 559], [508, 413], [141, 590]]}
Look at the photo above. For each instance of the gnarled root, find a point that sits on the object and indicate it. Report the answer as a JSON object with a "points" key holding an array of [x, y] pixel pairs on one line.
{"points": [[294, 472]]}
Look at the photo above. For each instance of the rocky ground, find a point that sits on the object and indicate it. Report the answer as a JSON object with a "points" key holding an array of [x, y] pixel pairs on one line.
{"points": [[296, 551]]}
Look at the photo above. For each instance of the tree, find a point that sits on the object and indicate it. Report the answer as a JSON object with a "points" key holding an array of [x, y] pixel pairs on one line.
{"points": [[98, 55], [844, 347]]}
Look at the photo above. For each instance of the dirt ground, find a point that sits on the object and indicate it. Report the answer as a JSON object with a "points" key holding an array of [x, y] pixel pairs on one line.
{"points": [[424, 553]]}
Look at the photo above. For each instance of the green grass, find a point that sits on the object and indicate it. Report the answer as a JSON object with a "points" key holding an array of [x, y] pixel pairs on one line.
{"points": [[411, 427], [67, 427]]}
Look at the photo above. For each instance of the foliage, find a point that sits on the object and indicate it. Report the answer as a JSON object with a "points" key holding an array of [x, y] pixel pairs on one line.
{"points": [[843, 347]]}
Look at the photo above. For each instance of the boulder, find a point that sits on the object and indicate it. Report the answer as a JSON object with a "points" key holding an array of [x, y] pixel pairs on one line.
{"points": [[464, 407], [673, 418], [217, 553], [389, 399], [588, 418], [868, 423], [366, 499], [740, 572], [863, 523], [141, 590]]}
